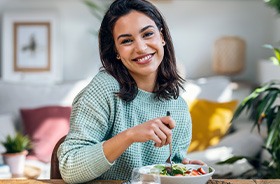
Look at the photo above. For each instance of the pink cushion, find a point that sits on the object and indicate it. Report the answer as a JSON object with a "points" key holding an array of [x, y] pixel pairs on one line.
{"points": [[45, 126]]}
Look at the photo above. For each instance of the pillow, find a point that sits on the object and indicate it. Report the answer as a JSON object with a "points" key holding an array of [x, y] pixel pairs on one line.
{"points": [[210, 122], [45, 126], [6, 128], [214, 88]]}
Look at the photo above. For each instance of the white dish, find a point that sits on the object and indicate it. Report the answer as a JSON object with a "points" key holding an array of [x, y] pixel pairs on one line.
{"points": [[201, 179]]}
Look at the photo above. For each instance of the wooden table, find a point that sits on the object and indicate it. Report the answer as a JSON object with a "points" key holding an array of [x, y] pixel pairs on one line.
{"points": [[214, 181]]}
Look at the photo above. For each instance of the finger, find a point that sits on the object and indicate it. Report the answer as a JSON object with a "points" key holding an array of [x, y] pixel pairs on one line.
{"points": [[157, 140], [169, 139], [186, 161], [161, 135], [155, 133], [197, 162], [168, 121], [168, 133]]}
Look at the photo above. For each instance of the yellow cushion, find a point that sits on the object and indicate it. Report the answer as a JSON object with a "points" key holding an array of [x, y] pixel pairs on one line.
{"points": [[210, 121]]}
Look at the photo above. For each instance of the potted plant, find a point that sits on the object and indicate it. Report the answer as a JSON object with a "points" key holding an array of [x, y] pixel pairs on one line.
{"points": [[263, 106], [16, 150]]}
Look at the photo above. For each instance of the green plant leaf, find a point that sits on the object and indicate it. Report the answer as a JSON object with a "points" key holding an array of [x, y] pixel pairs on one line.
{"points": [[16, 144], [96, 9], [277, 53], [275, 61], [274, 4], [231, 160], [274, 132]]}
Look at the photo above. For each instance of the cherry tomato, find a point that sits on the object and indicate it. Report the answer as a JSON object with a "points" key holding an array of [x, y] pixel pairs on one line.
{"points": [[195, 173], [188, 172], [201, 170]]}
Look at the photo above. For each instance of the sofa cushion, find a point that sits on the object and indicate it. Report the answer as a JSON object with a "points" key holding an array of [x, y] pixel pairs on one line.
{"points": [[14, 96], [210, 122], [232, 145], [45, 126], [214, 88]]}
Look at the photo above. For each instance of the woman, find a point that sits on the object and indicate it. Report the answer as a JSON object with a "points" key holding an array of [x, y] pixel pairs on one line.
{"points": [[119, 121]]}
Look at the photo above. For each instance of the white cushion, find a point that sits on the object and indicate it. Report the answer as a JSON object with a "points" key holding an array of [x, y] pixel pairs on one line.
{"points": [[214, 88], [239, 143], [20, 95], [243, 143], [6, 128], [214, 155]]}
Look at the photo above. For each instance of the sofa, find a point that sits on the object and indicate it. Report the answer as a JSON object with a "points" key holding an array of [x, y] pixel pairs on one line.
{"points": [[42, 111], [212, 102]]}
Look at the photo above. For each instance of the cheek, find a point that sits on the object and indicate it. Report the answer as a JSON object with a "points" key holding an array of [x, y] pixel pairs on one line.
{"points": [[125, 51], [160, 49], [157, 43]]}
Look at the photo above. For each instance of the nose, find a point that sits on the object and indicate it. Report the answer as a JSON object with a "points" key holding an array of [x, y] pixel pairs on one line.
{"points": [[140, 46]]}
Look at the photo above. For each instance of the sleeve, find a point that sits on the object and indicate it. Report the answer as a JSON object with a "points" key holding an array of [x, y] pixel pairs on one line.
{"points": [[81, 156], [184, 137]]}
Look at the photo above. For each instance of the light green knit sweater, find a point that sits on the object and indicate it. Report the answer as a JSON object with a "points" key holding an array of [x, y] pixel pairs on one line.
{"points": [[98, 114]]}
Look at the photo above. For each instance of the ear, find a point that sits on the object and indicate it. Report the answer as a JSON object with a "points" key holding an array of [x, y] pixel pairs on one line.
{"points": [[117, 54], [162, 37]]}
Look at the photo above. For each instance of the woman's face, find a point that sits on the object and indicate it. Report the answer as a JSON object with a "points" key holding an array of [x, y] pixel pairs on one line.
{"points": [[139, 44]]}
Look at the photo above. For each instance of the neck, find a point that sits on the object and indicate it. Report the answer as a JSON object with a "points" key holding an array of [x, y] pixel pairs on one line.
{"points": [[149, 87], [146, 83]]}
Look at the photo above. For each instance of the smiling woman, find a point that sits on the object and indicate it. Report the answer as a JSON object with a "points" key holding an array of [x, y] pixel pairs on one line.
{"points": [[120, 117], [139, 47]]}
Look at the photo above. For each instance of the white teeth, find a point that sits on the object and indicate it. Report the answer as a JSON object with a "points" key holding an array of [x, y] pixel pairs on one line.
{"points": [[144, 58]]}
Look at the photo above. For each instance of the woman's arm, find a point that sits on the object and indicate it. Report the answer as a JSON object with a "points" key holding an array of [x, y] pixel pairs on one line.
{"points": [[84, 158], [156, 130], [86, 154]]}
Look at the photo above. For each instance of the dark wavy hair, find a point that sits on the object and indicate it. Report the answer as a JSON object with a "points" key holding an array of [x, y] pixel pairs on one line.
{"points": [[168, 81]]}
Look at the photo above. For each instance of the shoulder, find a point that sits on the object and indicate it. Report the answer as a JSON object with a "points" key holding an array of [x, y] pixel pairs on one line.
{"points": [[103, 81], [180, 103], [104, 78], [181, 108], [102, 85]]}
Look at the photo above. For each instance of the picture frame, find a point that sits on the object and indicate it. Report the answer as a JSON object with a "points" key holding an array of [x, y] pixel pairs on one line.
{"points": [[30, 48]]}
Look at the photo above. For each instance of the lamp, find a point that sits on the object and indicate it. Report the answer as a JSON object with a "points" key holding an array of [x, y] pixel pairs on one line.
{"points": [[228, 55]]}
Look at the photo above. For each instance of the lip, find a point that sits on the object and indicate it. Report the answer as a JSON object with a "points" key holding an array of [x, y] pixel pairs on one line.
{"points": [[144, 59]]}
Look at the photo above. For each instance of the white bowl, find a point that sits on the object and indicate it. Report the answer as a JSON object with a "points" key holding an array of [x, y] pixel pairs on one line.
{"points": [[201, 179]]}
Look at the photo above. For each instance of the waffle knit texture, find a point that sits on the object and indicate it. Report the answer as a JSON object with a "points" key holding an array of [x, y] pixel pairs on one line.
{"points": [[99, 114]]}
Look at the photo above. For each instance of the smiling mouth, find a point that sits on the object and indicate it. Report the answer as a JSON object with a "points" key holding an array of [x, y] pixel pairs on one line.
{"points": [[144, 58]]}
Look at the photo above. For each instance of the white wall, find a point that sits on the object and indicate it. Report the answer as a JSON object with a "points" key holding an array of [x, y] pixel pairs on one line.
{"points": [[194, 25], [197, 24]]}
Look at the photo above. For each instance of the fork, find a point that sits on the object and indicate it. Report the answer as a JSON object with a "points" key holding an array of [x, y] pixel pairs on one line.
{"points": [[168, 162]]}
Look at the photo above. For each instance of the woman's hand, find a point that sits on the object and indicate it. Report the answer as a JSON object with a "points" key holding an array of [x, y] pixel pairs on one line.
{"points": [[196, 162], [157, 130]]}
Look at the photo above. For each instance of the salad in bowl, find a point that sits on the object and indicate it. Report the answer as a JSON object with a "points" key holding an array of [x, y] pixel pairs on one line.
{"points": [[184, 173]]}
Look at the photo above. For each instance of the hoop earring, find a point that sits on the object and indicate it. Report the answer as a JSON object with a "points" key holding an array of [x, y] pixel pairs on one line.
{"points": [[118, 57], [163, 43]]}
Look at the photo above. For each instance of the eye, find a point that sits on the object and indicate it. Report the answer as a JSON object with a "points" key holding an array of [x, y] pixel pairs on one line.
{"points": [[126, 41], [148, 34]]}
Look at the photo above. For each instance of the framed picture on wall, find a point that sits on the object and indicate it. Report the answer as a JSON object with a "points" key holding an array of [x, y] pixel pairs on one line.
{"points": [[31, 48], [32, 51]]}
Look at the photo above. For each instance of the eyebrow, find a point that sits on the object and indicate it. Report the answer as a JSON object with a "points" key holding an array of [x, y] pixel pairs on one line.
{"points": [[141, 30]]}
